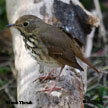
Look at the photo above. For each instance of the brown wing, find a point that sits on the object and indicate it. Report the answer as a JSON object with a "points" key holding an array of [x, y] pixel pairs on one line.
{"points": [[59, 47], [61, 43], [76, 45]]}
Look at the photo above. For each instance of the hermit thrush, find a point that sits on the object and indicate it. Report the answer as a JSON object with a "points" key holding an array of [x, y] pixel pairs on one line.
{"points": [[49, 45]]}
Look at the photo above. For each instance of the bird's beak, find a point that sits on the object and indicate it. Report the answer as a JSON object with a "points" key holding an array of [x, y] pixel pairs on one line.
{"points": [[11, 25]]}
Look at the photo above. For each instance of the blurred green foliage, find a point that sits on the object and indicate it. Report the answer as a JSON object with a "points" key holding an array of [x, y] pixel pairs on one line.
{"points": [[5, 72], [88, 4], [3, 18]]}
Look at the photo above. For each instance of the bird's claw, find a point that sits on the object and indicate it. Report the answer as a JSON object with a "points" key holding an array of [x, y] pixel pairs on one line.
{"points": [[45, 78], [54, 88]]}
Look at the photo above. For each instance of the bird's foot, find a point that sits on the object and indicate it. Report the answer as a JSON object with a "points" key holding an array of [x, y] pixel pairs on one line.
{"points": [[54, 88], [48, 77], [43, 78]]}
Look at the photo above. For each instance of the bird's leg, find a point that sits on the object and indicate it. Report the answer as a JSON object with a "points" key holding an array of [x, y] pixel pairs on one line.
{"points": [[54, 87], [43, 78], [48, 76]]}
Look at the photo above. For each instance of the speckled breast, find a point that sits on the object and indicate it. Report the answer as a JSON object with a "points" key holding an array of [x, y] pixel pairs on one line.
{"points": [[39, 52]]}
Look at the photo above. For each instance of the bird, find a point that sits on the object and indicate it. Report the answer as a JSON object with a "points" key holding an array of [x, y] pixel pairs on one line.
{"points": [[49, 45]]}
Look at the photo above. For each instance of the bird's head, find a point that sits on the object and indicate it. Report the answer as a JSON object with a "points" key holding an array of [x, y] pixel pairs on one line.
{"points": [[27, 24]]}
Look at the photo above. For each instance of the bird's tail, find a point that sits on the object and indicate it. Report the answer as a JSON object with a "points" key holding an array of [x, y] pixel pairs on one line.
{"points": [[78, 53], [89, 64]]}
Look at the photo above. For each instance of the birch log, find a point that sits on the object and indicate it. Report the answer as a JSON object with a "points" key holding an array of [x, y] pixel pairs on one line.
{"points": [[71, 95]]}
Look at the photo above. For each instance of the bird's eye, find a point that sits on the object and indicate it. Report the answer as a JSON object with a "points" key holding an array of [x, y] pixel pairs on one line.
{"points": [[25, 24]]}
